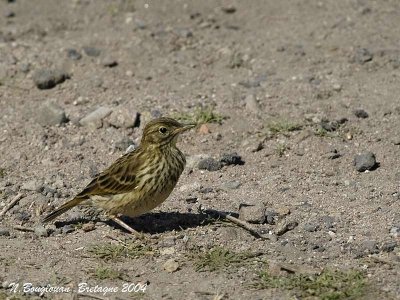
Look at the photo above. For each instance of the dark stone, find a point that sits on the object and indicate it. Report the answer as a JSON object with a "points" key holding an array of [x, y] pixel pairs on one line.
{"points": [[271, 217], [365, 161], [209, 164], [47, 78], [360, 113], [389, 246], [4, 232], [231, 159], [363, 55], [73, 54]]}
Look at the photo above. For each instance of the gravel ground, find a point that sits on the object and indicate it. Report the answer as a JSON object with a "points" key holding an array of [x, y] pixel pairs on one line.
{"points": [[301, 111]]}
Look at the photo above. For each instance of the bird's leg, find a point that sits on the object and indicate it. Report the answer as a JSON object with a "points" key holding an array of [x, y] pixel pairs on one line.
{"points": [[126, 226]]}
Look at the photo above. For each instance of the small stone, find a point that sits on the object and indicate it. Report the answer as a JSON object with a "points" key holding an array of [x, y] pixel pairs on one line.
{"points": [[86, 227], [395, 231], [91, 51], [329, 125], [171, 265], [271, 217], [285, 226], [73, 54], [4, 231], [389, 246], [332, 154], [33, 185], [47, 78], [365, 161], [94, 119], [252, 213], [209, 164], [67, 229], [203, 129], [40, 231], [337, 87], [49, 114], [190, 188], [252, 104], [129, 73], [109, 62], [362, 56], [25, 67], [369, 247], [124, 117], [229, 9], [310, 227], [231, 185], [231, 159], [360, 113]]}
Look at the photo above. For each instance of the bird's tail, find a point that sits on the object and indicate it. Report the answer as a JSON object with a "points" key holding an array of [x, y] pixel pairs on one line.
{"points": [[62, 209]]}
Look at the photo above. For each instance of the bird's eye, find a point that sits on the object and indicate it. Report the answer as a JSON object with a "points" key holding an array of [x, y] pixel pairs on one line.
{"points": [[163, 130]]}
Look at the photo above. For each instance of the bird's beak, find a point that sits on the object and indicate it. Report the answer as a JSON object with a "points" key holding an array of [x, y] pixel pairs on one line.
{"points": [[184, 128]]}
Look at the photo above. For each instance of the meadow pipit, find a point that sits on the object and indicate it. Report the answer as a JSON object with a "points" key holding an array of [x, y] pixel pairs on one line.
{"points": [[138, 181]]}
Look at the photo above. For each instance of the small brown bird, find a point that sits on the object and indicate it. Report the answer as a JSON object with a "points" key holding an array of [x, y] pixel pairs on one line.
{"points": [[138, 181]]}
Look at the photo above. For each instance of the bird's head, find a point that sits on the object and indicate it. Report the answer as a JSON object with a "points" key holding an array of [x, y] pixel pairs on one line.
{"points": [[163, 131]]}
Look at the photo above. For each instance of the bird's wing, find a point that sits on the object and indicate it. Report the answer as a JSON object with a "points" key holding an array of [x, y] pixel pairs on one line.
{"points": [[119, 178]]}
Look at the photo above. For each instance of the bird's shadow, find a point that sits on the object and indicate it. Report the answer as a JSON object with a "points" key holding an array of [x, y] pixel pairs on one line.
{"points": [[158, 222]]}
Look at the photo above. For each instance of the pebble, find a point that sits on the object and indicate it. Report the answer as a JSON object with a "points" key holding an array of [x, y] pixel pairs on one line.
{"points": [[365, 161], [310, 227], [67, 229], [86, 227], [32, 185], [360, 113], [231, 185], [332, 154], [363, 55], [50, 113], [109, 62], [91, 51], [203, 129], [190, 188], [284, 226], [252, 213], [94, 119], [25, 67], [209, 164], [389, 246], [369, 247], [49, 78], [73, 54], [271, 217], [229, 9], [231, 159], [395, 231], [40, 231], [4, 231], [124, 117], [251, 104], [171, 265]]}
